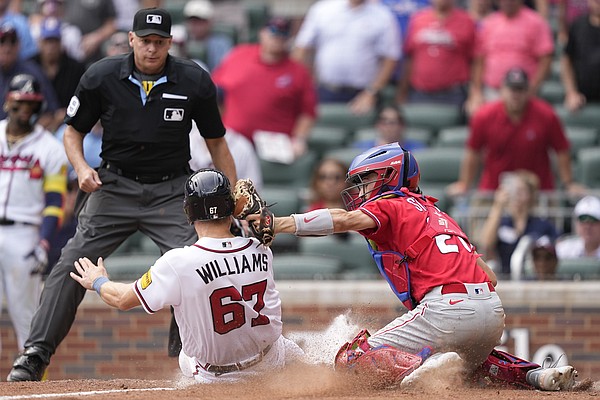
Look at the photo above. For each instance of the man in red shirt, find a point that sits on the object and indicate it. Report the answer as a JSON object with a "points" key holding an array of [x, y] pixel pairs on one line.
{"points": [[454, 311], [265, 90], [515, 132]]}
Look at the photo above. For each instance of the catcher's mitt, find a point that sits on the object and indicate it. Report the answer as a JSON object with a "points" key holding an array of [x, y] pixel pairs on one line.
{"points": [[248, 201]]}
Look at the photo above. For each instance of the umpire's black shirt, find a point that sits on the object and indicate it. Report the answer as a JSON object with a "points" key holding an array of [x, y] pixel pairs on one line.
{"points": [[146, 134]]}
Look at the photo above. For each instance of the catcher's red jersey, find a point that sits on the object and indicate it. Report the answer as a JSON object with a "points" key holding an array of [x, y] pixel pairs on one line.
{"points": [[446, 259]]}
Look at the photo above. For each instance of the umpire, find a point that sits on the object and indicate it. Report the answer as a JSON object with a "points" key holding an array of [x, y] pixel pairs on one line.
{"points": [[146, 101]]}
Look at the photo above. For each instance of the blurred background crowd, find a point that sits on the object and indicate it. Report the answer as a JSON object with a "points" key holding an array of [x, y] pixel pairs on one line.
{"points": [[499, 100]]}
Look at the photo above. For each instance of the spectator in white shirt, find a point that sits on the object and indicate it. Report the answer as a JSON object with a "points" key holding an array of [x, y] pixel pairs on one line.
{"points": [[586, 243]]}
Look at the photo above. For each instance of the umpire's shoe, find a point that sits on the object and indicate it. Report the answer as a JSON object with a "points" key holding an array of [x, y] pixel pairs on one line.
{"points": [[30, 365]]}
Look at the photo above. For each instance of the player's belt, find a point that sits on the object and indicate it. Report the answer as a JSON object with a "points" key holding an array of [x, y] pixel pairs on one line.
{"points": [[8, 222], [144, 178], [460, 288], [224, 369]]}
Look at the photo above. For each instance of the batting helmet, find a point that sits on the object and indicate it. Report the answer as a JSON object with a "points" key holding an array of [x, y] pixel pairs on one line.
{"points": [[208, 196], [395, 167], [24, 87]]}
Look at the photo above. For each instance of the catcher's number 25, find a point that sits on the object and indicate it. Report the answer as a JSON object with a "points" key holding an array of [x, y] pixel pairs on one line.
{"points": [[231, 315]]}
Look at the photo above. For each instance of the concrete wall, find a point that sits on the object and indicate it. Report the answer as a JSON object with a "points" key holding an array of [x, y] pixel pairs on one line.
{"points": [[542, 318]]}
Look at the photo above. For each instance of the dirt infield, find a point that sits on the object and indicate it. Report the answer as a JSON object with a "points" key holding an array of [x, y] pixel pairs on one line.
{"points": [[314, 382]]}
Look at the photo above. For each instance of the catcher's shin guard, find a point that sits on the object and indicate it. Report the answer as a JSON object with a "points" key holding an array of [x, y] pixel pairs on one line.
{"points": [[382, 365]]}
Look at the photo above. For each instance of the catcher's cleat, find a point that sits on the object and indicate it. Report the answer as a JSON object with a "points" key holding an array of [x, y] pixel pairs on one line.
{"points": [[30, 365], [552, 379]]}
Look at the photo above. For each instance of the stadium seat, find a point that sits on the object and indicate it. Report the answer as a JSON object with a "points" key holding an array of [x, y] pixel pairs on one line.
{"points": [[454, 136], [410, 132], [581, 137], [579, 269], [282, 200], [552, 91], [296, 174], [346, 154], [307, 267], [339, 115], [432, 116], [128, 267], [588, 167], [257, 16], [351, 248], [588, 116], [325, 138]]}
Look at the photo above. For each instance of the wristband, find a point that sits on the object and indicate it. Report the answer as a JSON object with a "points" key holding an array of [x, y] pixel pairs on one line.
{"points": [[98, 282], [314, 223]]}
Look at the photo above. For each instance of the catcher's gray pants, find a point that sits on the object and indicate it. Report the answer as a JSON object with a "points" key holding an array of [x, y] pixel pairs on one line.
{"points": [[110, 215], [470, 324]]}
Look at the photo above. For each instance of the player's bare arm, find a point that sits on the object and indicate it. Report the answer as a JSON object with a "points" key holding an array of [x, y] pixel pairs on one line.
{"points": [[88, 178], [222, 158], [488, 270], [115, 294]]}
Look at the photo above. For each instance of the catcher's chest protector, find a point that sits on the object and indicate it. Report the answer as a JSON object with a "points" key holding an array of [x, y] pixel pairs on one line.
{"points": [[502, 367]]}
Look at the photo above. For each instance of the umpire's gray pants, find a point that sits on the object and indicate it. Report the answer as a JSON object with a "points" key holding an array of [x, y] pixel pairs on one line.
{"points": [[110, 215]]}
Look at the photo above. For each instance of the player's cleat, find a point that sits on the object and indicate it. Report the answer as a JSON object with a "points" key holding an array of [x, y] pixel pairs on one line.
{"points": [[29, 366], [552, 379], [439, 362]]}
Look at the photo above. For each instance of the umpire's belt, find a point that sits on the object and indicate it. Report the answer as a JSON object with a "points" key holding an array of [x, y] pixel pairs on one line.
{"points": [[8, 222], [224, 369], [144, 178]]}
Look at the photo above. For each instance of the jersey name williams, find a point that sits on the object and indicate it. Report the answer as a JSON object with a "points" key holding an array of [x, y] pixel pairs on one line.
{"points": [[232, 266]]}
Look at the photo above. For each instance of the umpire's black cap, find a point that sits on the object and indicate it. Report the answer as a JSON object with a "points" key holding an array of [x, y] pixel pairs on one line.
{"points": [[152, 21]]}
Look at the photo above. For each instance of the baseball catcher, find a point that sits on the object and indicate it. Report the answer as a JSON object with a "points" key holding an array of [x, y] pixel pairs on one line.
{"points": [[247, 202]]}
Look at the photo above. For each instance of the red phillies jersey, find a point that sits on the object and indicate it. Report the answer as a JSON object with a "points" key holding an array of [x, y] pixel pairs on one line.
{"points": [[259, 96], [507, 146], [446, 259]]}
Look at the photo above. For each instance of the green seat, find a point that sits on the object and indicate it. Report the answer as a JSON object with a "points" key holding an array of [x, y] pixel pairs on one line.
{"points": [[588, 116], [351, 248], [439, 165], [345, 155], [432, 116], [128, 267], [306, 267], [581, 137], [257, 16], [588, 167], [552, 91], [284, 200], [340, 116], [296, 174], [420, 134], [579, 269], [325, 138], [228, 30], [455, 136]]}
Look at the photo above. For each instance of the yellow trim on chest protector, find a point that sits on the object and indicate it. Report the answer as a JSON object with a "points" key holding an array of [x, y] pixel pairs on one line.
{"points": [[148, 85]]}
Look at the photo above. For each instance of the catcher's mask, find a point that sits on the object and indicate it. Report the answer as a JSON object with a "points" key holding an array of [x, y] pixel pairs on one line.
{"points": [[207, 196], [394, 166]]}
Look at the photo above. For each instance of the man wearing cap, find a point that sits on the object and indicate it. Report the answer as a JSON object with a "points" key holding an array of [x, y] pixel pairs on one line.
{"points": [[287, 101], [545, 262], [62, 70], [516, 132], [146, 101], [586, 243], [202, 42]]}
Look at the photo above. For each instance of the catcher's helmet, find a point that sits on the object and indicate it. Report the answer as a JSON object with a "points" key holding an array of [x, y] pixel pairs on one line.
{"points": [[24, 87], [208, 196], [395, 167]]}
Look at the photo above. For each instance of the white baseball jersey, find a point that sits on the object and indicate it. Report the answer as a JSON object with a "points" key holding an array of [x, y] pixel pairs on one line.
{"points": [[24, 169], [224, 296]]}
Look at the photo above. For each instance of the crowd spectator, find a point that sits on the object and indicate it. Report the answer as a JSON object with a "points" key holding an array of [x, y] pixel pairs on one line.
{"points": [[96, 20], [62, 71], [326, 184], [199, 21], [390, 127], [586, 242], [287, 101], [479, 10], [544, 259], [19, 22], [437, 57], [70, 34], [580, 61], [513, 36], [247, 165], [511, 217], [355, 46], [117, 44], [125, 10], [515, 132], [403, 10], [11, 65], [569, 11]]}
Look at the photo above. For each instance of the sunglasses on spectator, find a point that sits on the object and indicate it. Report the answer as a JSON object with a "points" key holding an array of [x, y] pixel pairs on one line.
{"points": [[333, 177], [587, 218]]}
